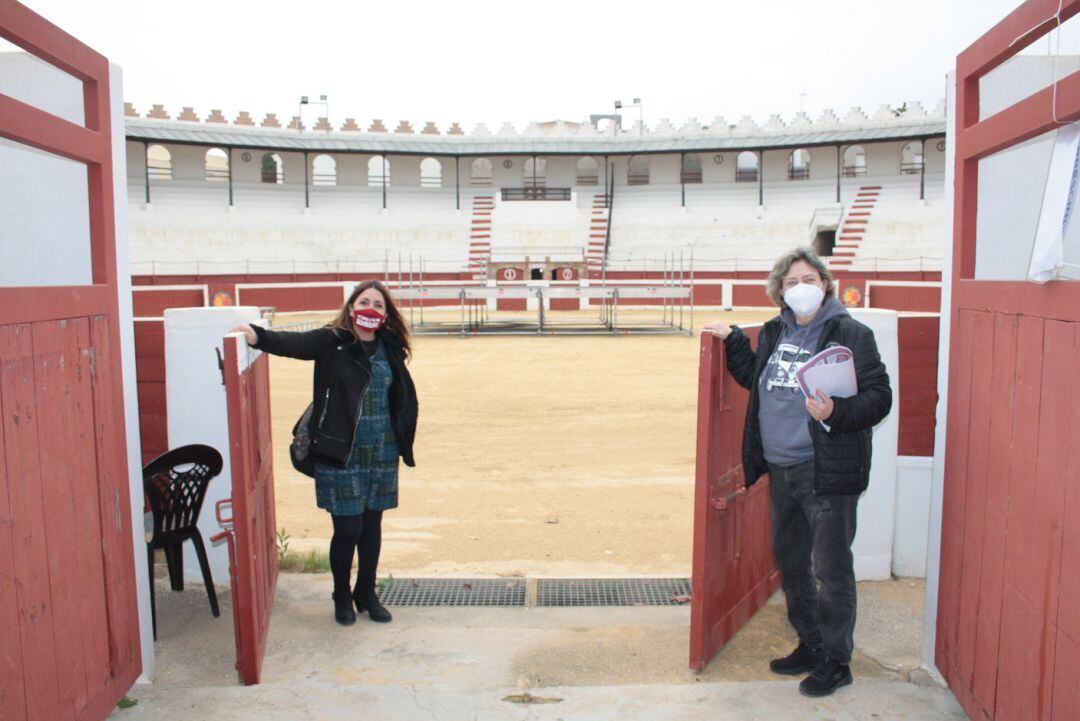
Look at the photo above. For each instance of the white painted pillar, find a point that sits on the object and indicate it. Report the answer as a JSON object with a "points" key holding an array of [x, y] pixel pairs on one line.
{"points": [[195, 398], [873, 546]]}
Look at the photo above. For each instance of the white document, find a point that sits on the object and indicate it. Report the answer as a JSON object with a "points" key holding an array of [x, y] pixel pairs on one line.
{"points": [[1056, 253], [832, 371]]}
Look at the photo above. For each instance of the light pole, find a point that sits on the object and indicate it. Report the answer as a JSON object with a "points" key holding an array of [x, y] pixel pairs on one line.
{"points": [[305, 101], [641, 114]]}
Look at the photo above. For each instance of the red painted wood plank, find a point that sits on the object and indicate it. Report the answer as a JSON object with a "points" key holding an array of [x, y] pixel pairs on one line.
{"points": [[1014, 698], [12, 685], [982, 393], [62, 480], [29, 546], [85, 501], [954, 494], [984, 680], [1066, 703], [1059, 356], [114, 500]]}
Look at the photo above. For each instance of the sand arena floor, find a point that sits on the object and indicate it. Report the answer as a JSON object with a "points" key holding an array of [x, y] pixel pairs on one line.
{"points": [[535, 455]]}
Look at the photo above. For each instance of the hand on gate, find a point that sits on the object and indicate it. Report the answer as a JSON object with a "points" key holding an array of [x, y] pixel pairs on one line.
{"points": [[719, 329], [249, 334]]}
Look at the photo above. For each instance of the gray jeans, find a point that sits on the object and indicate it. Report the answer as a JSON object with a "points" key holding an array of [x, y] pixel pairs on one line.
{"points": [[812, 537]]}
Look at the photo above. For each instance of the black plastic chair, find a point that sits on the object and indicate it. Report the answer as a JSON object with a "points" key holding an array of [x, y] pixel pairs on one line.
{"points": [[175, 484]]}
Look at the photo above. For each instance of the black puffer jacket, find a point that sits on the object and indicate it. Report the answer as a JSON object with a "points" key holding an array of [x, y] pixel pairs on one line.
{"points": [[342, 374], [841, 455]]}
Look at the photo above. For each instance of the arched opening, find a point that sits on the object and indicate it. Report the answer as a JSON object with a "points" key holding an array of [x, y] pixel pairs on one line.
{"points": [[158, 163], [481, 172], [746, 167], [587, 171], [273, 170], [323, 170], [911, 158], [854, 163], [534, 172], [691, 168], [637, 171], [378, 172], [799, 164], [430, 173], [216, 163]]}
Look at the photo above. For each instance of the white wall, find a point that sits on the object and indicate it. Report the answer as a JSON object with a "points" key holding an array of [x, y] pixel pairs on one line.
{"points": [[1011, 183], [933, 541], [913, 484], [127, 370], [44, 205], [195, 397], [873, 547]]}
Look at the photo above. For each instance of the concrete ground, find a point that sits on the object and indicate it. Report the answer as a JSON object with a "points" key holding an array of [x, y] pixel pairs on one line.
{"points": [[622, 663]]}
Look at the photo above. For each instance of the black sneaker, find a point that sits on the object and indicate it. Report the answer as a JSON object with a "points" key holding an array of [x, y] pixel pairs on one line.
{"points": [[829, 675], [802, 660]]}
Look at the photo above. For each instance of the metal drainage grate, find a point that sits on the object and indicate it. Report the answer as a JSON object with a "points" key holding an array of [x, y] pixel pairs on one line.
{"points": [[613, 592], [453, 592]]}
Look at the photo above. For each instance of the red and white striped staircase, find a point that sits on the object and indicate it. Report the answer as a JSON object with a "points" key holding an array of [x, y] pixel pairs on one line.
{"points": [[598, 227], [480, 236], [853, 230]]}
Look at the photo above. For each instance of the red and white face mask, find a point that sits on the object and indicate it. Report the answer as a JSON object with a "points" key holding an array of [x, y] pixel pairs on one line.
{"points": [[368, 319]]}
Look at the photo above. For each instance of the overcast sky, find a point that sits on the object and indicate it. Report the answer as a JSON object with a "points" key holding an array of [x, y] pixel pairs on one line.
{"points": [[505, 61]]}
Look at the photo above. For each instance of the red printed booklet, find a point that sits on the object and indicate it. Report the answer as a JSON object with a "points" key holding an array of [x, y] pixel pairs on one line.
{"points": [[832, 371]]}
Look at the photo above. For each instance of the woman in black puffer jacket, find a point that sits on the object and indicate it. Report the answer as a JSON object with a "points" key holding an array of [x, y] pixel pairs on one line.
{"points": [[817, 454]]}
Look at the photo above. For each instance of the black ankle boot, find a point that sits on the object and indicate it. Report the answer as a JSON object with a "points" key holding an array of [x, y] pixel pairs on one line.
{"points": [[343, 610], [366, 599]]}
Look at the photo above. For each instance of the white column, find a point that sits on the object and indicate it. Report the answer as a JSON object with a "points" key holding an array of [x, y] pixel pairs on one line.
{"points": [[877, 508], [195, 398]]}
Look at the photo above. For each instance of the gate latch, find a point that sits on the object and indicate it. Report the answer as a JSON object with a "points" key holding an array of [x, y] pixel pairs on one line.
{"points": [[722, 503]]}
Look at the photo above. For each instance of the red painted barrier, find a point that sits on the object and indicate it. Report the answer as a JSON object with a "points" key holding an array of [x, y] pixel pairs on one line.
{"points": [[917, 402], [150, 384], [1008, 625], [68, 614], [255, 568], [733, 569]]}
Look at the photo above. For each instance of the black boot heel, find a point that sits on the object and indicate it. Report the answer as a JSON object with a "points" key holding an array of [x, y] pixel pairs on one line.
{"points": [[366, 599]]}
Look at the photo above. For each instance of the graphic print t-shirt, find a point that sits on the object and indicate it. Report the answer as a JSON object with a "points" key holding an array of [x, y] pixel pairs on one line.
{"points": [[785, 432]]}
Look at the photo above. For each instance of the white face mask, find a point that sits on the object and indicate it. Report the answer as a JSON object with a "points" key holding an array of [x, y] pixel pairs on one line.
{"points": [[804, 298]]}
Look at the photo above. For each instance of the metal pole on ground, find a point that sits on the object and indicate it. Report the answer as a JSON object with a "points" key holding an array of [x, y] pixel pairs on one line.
{"points": [[412, 299], [462, 295], [691, 290], [421, 290], [682, 284]]}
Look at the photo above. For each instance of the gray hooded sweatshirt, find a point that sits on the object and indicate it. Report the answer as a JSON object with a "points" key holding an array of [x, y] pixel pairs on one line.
{"points": [[785, 435]]}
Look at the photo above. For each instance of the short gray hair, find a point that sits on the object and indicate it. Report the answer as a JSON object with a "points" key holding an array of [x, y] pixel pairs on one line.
{"points": [[775, 285]]}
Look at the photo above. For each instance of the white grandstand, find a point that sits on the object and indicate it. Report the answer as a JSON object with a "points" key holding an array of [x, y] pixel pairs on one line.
{"points": [[218, 198]]}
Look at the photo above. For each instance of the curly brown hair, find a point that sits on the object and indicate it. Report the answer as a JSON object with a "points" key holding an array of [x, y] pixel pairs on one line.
{"points": [[395, 322], [774, 286]]}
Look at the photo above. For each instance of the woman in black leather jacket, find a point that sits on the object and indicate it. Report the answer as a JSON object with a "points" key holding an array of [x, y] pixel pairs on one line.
{"points": [[363, 420]]}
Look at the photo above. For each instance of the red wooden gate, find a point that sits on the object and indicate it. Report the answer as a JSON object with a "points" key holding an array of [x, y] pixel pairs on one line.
{"points": [[1008, 639], [733, 570], [252, 545], [70, 638]]}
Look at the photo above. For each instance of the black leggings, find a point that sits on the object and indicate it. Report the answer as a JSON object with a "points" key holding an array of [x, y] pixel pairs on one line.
{"points": [[362, 533]]}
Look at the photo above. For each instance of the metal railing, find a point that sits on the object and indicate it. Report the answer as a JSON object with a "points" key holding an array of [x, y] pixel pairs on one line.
{"points": [[746, 175], [538, 192]]}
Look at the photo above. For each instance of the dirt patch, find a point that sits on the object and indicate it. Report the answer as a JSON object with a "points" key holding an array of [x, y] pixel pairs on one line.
{"points": [[535, 455]]}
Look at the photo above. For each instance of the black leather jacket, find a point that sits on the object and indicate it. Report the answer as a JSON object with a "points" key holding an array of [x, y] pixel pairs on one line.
{"points": [[841, 455], [342, 373]]}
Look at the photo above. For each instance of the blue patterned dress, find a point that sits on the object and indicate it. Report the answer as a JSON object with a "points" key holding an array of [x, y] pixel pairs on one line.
{"points": [[370, 478]]}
